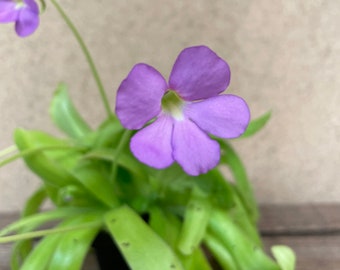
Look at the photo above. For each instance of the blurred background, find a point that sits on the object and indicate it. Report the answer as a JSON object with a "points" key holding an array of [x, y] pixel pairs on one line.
{"points": [[284, 57]]}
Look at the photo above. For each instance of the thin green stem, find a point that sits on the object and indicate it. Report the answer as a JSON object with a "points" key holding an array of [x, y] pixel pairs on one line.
{"points": [[125, 137], [8, 150], [42, 6], [36, 150], [87, 56], [30, 235]]}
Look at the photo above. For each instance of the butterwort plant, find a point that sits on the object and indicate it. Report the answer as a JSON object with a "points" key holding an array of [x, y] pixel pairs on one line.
{"points": [[148, 176]]}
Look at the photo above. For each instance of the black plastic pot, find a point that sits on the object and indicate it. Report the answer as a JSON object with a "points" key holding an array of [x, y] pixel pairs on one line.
{"points": [[107, 253]]}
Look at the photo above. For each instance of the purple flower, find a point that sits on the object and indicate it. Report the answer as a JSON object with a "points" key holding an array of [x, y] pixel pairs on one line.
{"points": [[182, 112], [24, 13]]}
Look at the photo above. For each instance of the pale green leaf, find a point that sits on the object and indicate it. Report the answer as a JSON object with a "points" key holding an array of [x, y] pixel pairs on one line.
{"points": [[93, 178], [65, 115], [45, 251], [220, 252], [284, 256], [196, 217], [256, 125], [74, 245], [47, 156], [139, 244], [244, 251], [168, 226], [36, 220], [42, 253], [21, 249], [230, 158]]}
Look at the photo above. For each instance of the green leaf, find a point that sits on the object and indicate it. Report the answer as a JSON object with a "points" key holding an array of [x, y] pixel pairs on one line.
{"points": [[256, 125], [131, 178], [168, 226], [65, 115], [197, 260], [243, 220], [21, 249], [232, 160], [72, 249], [139, 244], [125, 160], [41, 255], [59, 164], [217, 187], [109, 134], [36, 220], [220, 253], [47, 156], [284, 256], [92, 176], [75, 196], [34, 202], [173, 187], [45, 251], [73, 246], [196, 219], [245, 252]]}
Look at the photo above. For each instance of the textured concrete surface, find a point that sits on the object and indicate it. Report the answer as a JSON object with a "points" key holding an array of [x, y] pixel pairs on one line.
{"points": [[284, 56]]}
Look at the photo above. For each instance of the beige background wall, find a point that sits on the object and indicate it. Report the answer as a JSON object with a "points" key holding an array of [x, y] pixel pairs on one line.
{"points": [[284, 56]]}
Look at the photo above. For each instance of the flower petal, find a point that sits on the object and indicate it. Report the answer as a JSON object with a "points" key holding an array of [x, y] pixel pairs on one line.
{"points": [[199, 73], [225, 116], [139, 96], [27, 22], [152, 144], [33, 6], [8, 11], [193, 149]]}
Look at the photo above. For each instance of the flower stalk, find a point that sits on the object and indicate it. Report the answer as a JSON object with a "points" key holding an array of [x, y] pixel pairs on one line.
{"points": [[88, 57], [35, 234]]}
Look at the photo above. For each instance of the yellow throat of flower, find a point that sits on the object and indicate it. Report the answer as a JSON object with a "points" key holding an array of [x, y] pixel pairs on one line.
{"points": [[173, 104], [19, 4]]}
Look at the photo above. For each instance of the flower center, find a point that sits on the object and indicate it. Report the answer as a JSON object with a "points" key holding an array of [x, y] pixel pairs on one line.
{"points": [[19, 4], [173, 104]]}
